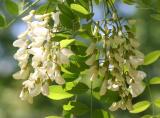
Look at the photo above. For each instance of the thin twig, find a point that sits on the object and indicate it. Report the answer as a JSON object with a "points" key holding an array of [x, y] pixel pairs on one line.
{"points": [[91, 99], [151, 99], [24, 11]]}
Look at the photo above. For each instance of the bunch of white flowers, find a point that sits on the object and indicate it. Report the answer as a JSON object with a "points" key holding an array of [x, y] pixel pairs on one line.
{"points": [[39, 56], [118, 68], [126, 79]]}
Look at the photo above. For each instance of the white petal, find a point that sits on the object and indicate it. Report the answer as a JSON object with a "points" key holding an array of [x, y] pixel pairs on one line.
{"points": [[40, 31], [21, 54], [136, 88], [55, 17], [28, 84], [20, 43], [45, 89], [22, 74], [36, 51], [24, 95], [67, 52], [63, 59], [58, 78], [36, 90], [114, 106], [27, 18], [41, 17]]}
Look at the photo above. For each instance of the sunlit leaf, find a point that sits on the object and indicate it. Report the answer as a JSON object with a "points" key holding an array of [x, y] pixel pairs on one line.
{"points": [[129, 2], [2, 21], [151, 57], [56, 92], [106, 114], [12, 7], [66, 42], [155, 80], [68, 107], [69, 85], [79, 9], [157, 102], [140, 106]]}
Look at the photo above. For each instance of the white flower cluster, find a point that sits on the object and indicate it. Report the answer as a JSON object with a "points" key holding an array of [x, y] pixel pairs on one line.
{"points": [[39, 57], [126, 79], [118, 68], [91, 51]]}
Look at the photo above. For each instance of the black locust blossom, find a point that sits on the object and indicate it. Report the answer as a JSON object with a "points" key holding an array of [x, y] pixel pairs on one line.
{"points": [[38, 56], [125, 79], [118, 69]]}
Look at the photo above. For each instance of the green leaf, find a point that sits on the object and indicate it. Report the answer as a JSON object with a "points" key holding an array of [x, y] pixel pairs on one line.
{"points": [[66, 42], [70, 1], [45, 8], [69, 85], [66, 21], [60, 36], [79, 108], [157, 102], [76, 65], [155, 16], [53, 117], [140, 106], [2, 21], [84, 3], [65, 70], [12, 7], [97, 1], [56, 92], [147, 116], [129, 2], [155, 80], [66, 10], [106, 114], [78, 58], [70, 77], [68, 107], [80, 88], [79, 10], [151, 57], [98, 114]]}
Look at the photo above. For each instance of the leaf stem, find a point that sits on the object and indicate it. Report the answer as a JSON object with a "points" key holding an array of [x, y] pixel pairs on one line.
{"points": [[151, 99], [12, 21], [91, 99]]}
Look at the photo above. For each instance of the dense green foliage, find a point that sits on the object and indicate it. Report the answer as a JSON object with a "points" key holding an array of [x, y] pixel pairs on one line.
{"points": [[77, 31]]}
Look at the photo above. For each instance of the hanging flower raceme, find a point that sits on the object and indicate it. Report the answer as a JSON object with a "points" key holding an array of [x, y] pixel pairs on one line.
{"points": [[124, 78], [119, 59], [91, 61], [38, 56]]}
